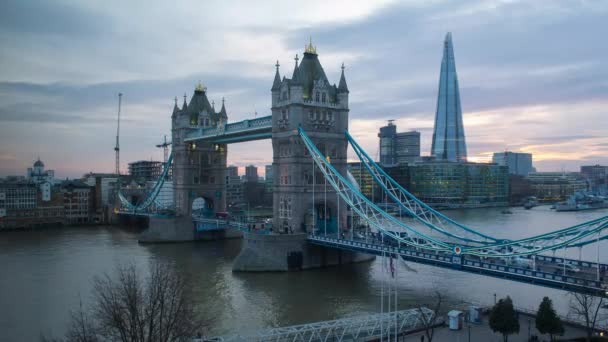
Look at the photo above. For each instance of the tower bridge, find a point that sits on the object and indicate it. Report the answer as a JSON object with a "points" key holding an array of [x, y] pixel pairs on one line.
{"points": [[316, 203]]}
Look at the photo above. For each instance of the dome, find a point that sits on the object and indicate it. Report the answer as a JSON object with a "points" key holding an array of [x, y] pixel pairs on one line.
{"points": [[38, 163]]}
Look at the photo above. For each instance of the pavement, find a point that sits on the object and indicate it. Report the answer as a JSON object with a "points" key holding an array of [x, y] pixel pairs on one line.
{"points": [[483, 333]]}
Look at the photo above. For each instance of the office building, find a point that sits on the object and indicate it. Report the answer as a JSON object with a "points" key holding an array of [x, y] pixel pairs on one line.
{"points": [[517, 162], [234, 187], [597, 178], [556, 186], [459, 185], [363, 178], [77, 201], [398, 148], [22, 205], [448, 135], [146, 169], [251, 174]]}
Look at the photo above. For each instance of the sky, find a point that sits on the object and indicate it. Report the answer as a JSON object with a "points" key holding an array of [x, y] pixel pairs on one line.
{"points": [[532, 74]]}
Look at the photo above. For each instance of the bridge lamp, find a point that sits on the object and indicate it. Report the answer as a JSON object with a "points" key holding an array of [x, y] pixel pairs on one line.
{"points": [[328, 159], [193, 145], [217, 147]]}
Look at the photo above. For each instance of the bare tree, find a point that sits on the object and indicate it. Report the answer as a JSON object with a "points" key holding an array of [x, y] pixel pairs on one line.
{"points": [[429, 323], [587, 307], [128, 308]]}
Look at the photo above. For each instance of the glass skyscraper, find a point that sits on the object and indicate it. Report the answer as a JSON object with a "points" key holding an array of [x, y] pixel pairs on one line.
{"points": [[448, 136]]}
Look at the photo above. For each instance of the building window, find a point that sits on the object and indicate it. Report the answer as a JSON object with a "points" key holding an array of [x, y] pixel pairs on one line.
{"points": [[323, 98], [317, 96], [285, 208]]}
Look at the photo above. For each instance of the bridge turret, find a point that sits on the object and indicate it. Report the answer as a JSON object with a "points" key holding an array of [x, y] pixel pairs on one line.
{"points": [[198, 168], [343, 90], [185, 105], [276, 86], [223, 116], [309, 101]]}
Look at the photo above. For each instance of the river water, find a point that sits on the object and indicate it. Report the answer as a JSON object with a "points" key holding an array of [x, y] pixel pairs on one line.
{"points": [[45, 273]]}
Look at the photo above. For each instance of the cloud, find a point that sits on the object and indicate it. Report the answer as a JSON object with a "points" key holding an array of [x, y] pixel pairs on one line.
{"points": [[531, 73]]}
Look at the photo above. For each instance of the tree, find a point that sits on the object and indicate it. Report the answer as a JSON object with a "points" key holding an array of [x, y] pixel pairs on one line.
{"points": [[503, 318], [547, 321], [586, 307], [129, 308], [429, 322]]}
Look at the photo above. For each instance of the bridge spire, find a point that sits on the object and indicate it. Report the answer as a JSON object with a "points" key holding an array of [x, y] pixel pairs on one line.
{"points": [[342, 87], [294, 78], [310, 48], [175, 108], [223, 113], [277, 78], [185, 106]]}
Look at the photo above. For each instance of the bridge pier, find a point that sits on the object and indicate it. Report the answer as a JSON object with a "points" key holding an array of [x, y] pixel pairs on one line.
{"points": [[289, 252], [181, 229]]}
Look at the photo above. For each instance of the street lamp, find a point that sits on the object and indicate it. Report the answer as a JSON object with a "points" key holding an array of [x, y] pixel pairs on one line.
{"points": [[495, 299]]}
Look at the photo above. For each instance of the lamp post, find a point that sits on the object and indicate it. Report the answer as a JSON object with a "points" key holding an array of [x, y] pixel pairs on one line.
{"points": [[469, 332], [495, 299]]}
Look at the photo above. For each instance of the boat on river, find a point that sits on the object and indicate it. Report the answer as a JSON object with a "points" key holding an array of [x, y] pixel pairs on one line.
{"points": [[582, 201]]}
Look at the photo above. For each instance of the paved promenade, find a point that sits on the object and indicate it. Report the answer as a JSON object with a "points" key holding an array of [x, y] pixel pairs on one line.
{"points": [[483, 333]]}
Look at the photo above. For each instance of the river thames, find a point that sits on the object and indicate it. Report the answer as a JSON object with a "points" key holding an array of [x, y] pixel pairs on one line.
{"points": [[46, 272]]}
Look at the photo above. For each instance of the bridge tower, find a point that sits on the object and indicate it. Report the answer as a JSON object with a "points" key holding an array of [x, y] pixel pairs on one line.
{"points": [[198, 168], [307, 100]]}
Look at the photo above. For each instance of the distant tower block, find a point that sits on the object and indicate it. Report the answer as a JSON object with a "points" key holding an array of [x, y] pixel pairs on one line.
{"points": [[448, 135]]}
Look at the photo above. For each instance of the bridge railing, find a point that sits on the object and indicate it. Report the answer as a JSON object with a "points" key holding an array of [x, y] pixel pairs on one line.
{"points": [[461, 263], [346, 329]]}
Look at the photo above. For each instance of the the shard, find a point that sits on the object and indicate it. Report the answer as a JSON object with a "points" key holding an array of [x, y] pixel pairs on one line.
{"points": [[448, 135]]}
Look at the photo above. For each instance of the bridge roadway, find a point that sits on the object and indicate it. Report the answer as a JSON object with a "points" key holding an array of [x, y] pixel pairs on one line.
{"points": [[545, 270]]}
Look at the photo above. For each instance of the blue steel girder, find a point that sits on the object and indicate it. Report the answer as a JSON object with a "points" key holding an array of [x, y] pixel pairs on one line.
{"points": [[241, 131], [151, 197], [576, 236]]}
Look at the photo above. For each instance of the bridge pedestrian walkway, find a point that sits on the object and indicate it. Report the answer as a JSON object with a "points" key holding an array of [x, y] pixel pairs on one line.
{"points": [[358, 328]]}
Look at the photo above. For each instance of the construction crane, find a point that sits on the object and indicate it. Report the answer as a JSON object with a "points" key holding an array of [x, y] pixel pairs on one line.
{"points": [[165, 146], [117, 148]]}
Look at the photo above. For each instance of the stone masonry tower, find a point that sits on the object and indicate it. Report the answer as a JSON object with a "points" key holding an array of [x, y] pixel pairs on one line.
{"points": [[198, 169], [307, 99]]}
